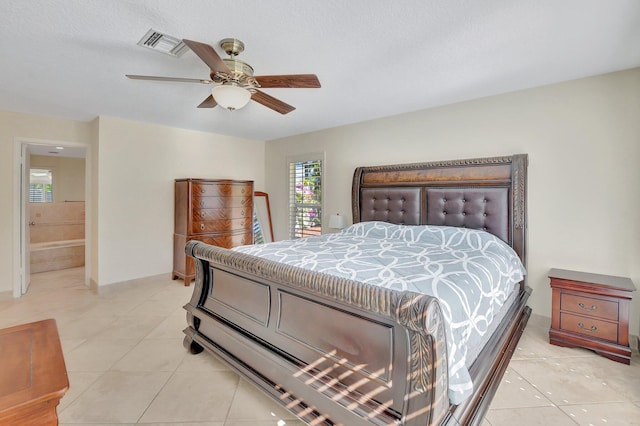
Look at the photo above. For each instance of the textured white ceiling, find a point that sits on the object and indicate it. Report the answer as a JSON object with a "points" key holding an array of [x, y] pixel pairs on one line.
{"points": [[374, 58]]}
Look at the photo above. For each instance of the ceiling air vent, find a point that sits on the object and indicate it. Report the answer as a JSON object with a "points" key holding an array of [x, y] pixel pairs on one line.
{"points": [[163, 43]]}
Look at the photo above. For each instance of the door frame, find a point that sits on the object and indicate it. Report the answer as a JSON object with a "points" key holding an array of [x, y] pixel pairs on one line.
{"points": [[20, 222], [25, 211]]}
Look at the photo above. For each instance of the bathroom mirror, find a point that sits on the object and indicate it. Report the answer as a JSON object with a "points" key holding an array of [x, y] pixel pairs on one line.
{"points": [[262, 227]]}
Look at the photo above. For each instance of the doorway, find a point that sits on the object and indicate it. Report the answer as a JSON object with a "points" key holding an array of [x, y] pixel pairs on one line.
{"points": [[72, 201]]}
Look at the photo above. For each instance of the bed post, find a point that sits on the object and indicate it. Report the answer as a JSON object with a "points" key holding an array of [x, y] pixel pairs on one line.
{"points": [[519, 204], [428, 377], [197, 298]]}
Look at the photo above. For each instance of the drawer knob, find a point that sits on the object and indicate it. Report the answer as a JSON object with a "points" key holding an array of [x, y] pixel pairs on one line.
{"points": [[593, 327], [202, 214], [202, 226], [203, 190], [592, 308]]}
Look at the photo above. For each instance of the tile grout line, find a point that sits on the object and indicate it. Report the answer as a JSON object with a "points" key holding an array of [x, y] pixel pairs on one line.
{"points": [[156, 395], [233, 397]]}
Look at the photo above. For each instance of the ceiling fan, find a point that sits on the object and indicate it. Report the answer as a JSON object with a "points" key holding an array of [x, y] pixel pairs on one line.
{"points": [[233, 80]]}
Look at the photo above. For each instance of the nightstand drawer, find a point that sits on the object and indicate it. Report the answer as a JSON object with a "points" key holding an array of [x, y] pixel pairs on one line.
{"points": [[589, 306], [589, 326]]}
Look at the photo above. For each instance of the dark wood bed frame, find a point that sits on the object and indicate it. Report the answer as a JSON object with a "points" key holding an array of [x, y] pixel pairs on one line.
{"points": [[335, 351]]}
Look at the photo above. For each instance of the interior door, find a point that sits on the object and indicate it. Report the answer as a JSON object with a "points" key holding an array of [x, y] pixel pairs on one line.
{"points": [[25, 219]]}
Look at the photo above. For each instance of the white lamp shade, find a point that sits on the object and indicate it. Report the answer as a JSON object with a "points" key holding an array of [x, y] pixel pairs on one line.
{"points": [[231, 97], [336, 221]]}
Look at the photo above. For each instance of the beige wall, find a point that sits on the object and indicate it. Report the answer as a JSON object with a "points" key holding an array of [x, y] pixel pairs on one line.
{"points": [[131, 168], [138, 164], [68, 176], [583, 141], [15, 127]]}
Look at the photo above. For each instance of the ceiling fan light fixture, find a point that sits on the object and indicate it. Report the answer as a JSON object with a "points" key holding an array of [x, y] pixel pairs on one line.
{"points": [[230, 96]]}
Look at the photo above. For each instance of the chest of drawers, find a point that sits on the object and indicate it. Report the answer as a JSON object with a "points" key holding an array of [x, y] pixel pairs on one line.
{"points": [[216, 211], [591, 311]]}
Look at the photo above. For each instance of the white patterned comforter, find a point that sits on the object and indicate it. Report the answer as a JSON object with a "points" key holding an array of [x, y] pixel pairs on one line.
{"points": [[471, 272]]}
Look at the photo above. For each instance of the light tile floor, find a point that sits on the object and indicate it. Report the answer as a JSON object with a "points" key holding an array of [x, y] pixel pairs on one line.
{"points": [[126, 364]]}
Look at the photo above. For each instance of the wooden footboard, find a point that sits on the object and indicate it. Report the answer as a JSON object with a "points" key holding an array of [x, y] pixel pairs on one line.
{"points": [[335, 351], [329, 349]]}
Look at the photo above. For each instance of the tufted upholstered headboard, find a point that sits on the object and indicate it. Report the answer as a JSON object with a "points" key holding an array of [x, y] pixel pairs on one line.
{"points": [[481, 193]]}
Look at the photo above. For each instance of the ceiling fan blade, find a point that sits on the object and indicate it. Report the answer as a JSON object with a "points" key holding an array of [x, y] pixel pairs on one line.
{"points": [[208, 103], [271, 102], [178, 79], [208, 55], [291, 81]]}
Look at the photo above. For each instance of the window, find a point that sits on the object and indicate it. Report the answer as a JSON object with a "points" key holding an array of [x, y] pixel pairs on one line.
{"points": [[305, 198], [40, 186]]}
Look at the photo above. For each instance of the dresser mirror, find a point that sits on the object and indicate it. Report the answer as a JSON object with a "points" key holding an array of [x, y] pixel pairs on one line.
{"points": [[262, 227]]}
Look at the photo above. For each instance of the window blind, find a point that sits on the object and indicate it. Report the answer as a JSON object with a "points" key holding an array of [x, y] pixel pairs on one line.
{"points": [[40, 193], [305, 198], [40, 187]]}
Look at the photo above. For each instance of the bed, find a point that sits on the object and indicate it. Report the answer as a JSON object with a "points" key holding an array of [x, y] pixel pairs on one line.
{"points": [[336, 350]]}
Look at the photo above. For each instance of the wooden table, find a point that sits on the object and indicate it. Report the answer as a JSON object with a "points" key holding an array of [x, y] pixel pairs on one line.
{"points": [[33, 376]]}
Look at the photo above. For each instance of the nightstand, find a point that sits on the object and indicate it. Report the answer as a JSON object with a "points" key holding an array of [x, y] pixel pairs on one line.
{"points": [[591, 311]]}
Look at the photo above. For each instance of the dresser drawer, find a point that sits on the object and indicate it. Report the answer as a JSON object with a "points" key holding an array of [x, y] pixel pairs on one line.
{"points": [[222, 190], [221, 225], [589, 326], [230, 240], [214, 220], [220, 202], [590, 306], [201, 215]]}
